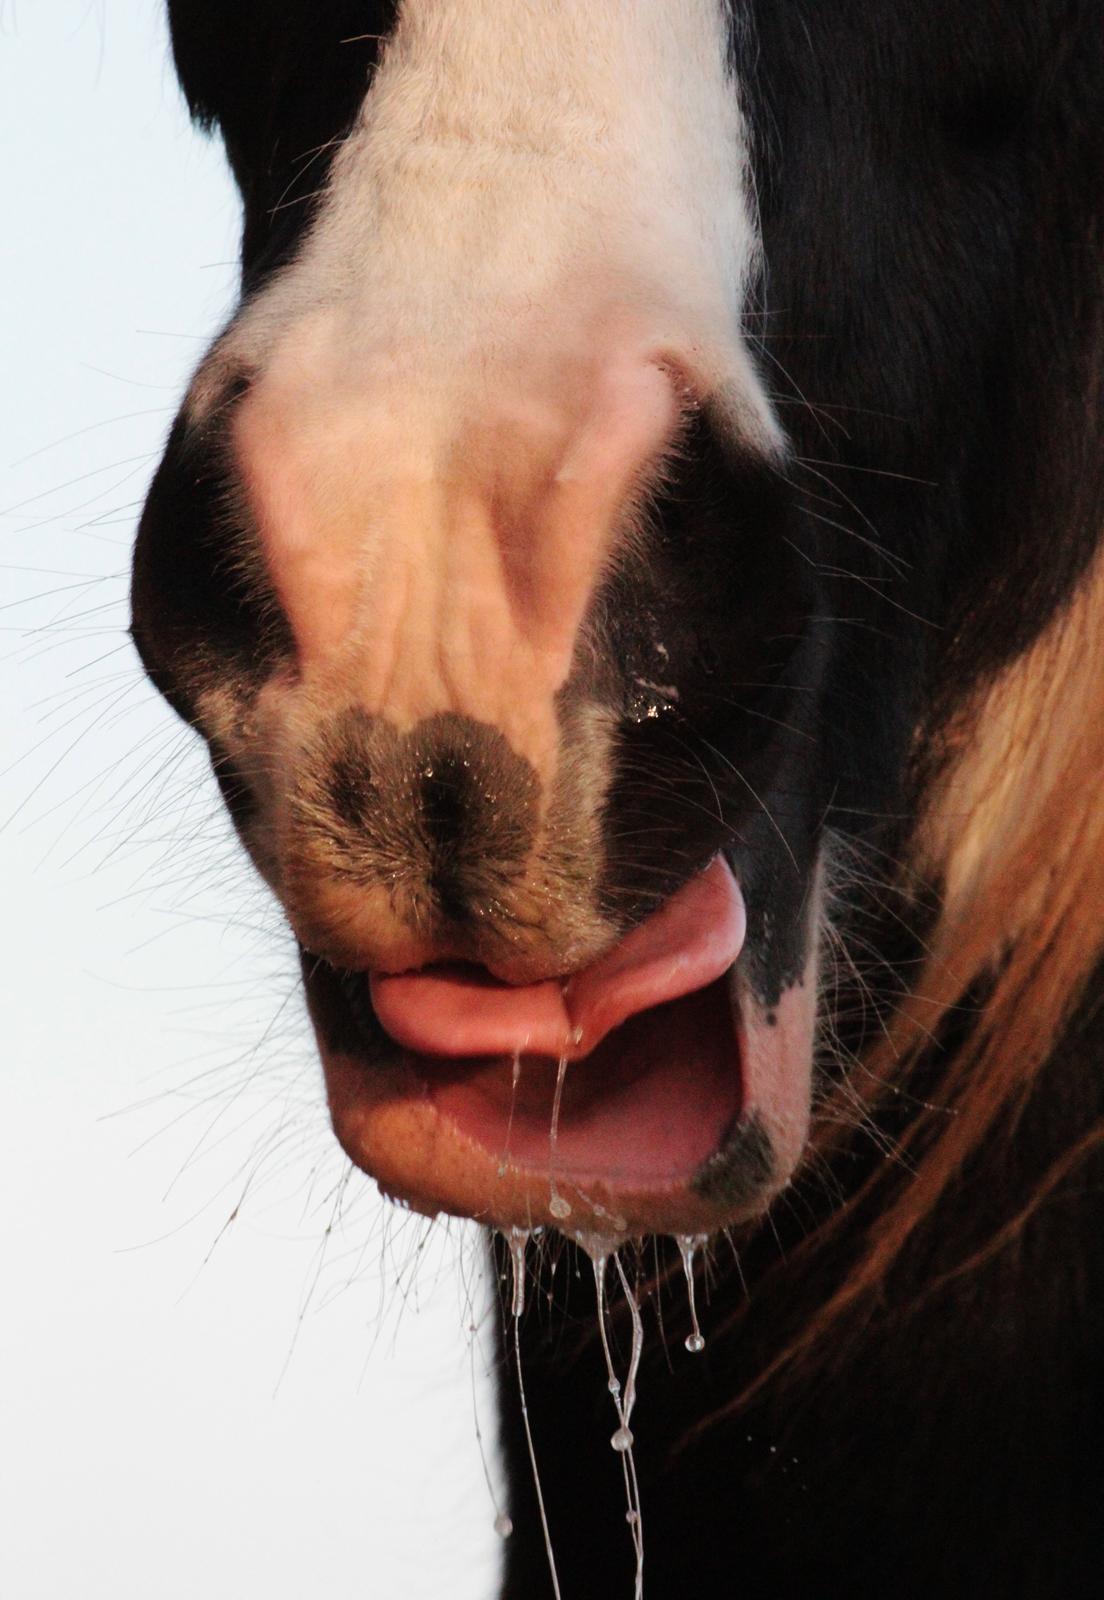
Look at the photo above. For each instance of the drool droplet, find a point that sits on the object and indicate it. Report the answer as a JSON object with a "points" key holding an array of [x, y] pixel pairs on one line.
{"points": [[503, 1526], [515, 1080], [689, 1244], [517, 1239], [622, 1441], [557, 1205]]}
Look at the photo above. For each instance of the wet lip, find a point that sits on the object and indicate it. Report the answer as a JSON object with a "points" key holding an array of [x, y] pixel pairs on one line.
{"points": [[447, 1092], [646, 1108], [690, 941], [625, 1075]]}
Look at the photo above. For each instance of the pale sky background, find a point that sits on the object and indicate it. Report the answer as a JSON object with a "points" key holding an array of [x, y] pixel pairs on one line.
{"points": [[278, 1406]]}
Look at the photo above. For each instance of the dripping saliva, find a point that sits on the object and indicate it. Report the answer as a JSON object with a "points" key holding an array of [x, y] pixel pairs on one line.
{"points": [[689, 1244], [557, 1205], [516, 1240], [515, 1079], [503, 1522], [600, 1247]]}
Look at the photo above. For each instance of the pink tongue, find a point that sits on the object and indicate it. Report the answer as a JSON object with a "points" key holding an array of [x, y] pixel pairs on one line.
{"points": [[460, 1011]]}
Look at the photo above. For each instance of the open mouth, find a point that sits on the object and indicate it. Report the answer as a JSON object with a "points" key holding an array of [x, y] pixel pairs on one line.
{"points": [[650, 1091]]}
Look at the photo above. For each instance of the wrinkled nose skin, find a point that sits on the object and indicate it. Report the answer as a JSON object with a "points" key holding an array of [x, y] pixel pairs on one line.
{"points": [[434, 563], [437, 576]]}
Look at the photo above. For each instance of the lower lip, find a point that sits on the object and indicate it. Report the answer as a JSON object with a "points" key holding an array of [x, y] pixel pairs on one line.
{"points": [[692, 1125]]}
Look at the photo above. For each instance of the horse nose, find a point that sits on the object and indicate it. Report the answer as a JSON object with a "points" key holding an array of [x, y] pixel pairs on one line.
{"points": [[410, 847]]}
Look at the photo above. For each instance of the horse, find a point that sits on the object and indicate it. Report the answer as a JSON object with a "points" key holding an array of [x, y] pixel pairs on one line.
{"points": [[634, 557]]}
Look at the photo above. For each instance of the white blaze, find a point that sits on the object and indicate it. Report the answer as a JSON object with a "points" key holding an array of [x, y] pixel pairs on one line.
{"points": [[535, 246]]}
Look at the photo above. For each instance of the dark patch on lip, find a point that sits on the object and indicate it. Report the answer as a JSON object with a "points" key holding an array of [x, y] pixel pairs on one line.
{"points": [[342, 1013], [740, 1169]]}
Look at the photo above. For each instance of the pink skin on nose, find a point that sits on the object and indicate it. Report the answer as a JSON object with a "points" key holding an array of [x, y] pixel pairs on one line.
{"points": [[438, 553], [693, 939]]}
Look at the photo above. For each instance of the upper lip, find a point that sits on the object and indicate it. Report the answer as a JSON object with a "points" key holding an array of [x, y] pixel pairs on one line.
{"points": [[694, 938]]}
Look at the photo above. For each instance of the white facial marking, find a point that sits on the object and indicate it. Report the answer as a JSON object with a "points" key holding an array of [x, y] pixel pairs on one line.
{"points": [[535, 245]]}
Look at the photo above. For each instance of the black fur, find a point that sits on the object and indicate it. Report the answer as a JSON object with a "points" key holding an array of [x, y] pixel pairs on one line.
{"points": [[948, 1446]]}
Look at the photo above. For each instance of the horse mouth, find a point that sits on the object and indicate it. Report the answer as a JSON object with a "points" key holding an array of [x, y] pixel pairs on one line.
{"points": [[652, 1092]]}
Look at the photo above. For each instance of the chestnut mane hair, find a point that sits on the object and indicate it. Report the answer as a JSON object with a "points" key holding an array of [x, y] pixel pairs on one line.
{"points": [[1012, 831]]}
